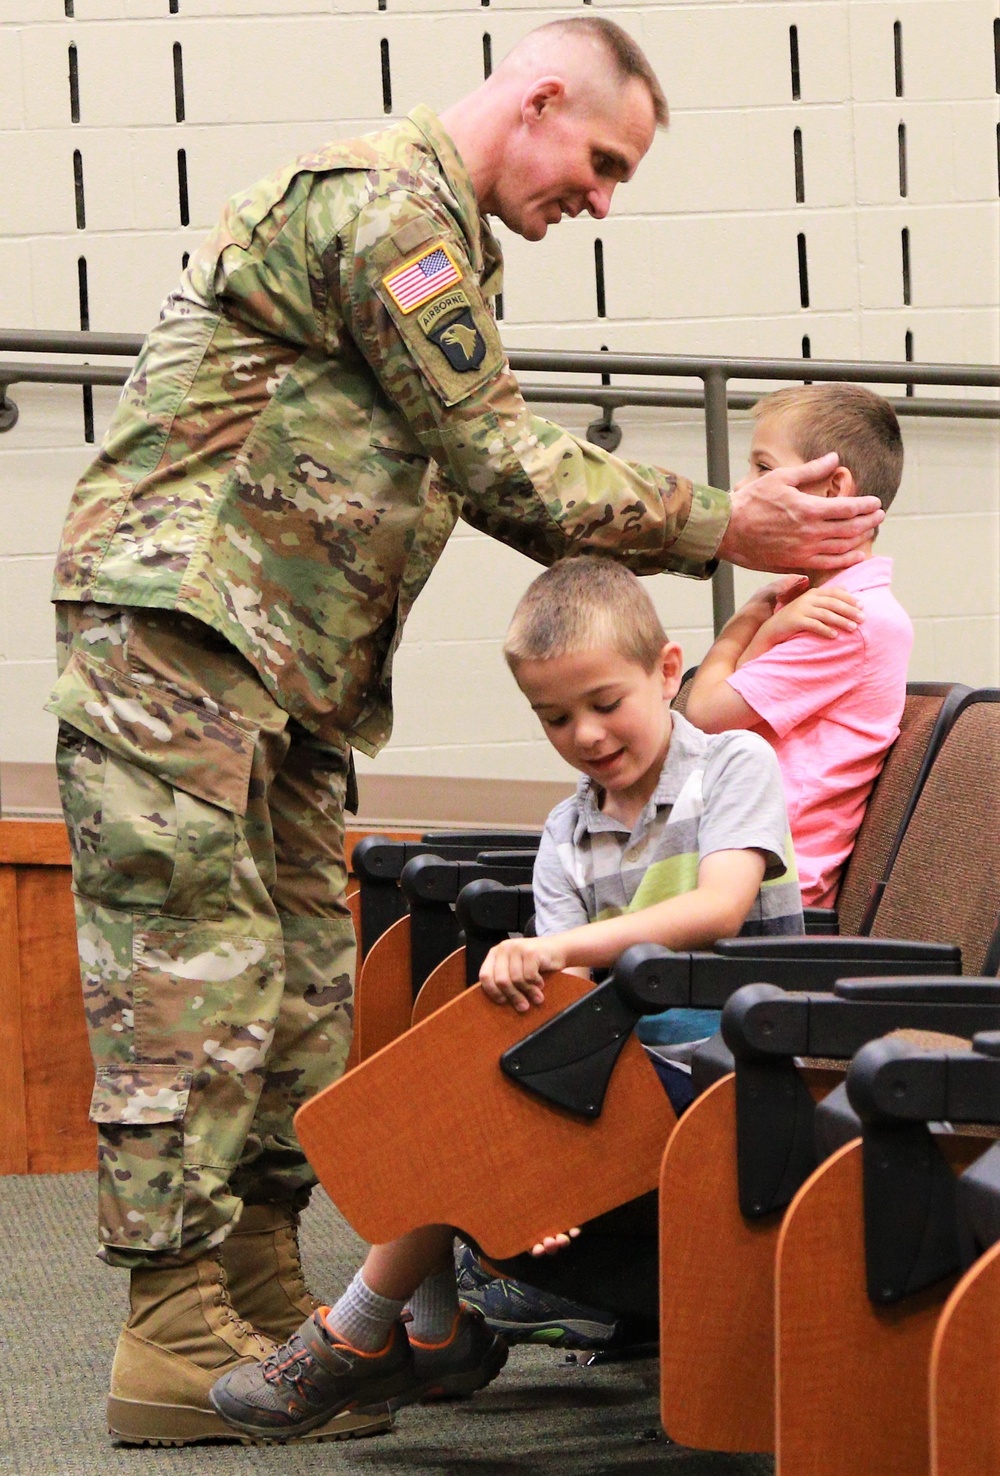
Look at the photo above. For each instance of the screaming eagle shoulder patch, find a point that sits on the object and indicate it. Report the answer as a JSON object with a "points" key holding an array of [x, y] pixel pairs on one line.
{"points": [[424, 276], [460, 341]]}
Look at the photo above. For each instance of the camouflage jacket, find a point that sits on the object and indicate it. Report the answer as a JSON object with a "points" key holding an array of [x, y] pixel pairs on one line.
{"points": [[322, 398]]}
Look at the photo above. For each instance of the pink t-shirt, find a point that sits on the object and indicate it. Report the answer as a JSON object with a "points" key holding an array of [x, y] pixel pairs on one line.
{"points": [[831, 708]]}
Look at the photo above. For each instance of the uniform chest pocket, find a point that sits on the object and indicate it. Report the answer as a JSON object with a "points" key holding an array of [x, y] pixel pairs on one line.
{"points": [[154, 790]]}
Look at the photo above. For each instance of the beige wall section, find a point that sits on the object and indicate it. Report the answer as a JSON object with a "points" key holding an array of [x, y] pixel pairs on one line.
{"points": [[700, 256]]}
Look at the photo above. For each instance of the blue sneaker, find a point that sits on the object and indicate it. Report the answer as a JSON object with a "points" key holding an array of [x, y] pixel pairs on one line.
{"points": [[524, 1314]]}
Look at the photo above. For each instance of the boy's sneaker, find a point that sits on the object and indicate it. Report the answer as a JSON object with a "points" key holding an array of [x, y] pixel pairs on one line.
{"points": [[469, 1358], [310, 1378], [524, 1314]]}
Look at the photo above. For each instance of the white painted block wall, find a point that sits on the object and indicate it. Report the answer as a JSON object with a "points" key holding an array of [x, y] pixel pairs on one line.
{"points": [[892, 111]]}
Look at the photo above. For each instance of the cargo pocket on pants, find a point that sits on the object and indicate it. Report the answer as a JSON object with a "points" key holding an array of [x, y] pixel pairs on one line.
{"points": [[154, 788], [139, 1114]]}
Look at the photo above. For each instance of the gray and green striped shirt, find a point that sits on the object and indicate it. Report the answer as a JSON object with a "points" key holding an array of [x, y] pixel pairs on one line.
{"points": [[716, 792]]}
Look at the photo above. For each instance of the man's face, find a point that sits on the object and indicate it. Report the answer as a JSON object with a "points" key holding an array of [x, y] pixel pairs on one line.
{"points": [[565, 160]]}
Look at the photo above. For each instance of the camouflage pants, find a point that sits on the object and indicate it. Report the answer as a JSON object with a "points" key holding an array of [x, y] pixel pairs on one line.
{"points": [[216, 950]]}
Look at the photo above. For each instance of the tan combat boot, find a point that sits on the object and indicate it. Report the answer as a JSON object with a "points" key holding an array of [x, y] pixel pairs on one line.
{"points": [[181, 1335], [264, 1271]]}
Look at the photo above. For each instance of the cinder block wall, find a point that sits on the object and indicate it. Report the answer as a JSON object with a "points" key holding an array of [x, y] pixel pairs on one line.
{"points": [[828, 186]]}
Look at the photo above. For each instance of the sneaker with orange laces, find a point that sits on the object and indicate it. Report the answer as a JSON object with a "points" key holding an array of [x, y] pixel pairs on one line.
{"points": [[310, 1378], [469, 1358]]}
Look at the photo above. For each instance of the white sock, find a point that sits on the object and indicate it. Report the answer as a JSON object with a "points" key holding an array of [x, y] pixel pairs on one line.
{"points": [[362, 1318], [434, 1307]]}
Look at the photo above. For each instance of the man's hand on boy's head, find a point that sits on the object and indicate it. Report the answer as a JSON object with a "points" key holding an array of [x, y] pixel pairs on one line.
{"points": [[512, 971], [776, 527]]}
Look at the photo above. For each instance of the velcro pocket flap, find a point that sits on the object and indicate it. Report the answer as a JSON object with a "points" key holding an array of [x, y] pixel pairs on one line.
{"points": [[140, 1096], [203, 753]]}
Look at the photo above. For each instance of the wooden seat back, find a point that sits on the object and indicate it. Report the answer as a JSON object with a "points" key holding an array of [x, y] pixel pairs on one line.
{"points": [[853, 1379], [965, 1390]]}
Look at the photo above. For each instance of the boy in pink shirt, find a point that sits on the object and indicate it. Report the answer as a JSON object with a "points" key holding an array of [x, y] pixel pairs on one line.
{"points": [[819, 669]]}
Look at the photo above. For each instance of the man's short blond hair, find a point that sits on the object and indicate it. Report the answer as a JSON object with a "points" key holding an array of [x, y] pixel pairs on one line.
{"points": [[581, 604], [628, 61], [847, 418]]}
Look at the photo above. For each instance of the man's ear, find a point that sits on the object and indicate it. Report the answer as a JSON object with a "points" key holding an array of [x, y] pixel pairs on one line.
{"points": [[540, 96], [671, 665]]}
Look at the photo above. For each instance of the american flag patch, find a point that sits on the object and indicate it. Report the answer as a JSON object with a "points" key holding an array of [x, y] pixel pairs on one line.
{"points": [[422, 278]]}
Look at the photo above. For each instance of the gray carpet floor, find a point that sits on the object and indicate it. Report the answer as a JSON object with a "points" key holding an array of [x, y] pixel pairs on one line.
{"points": [[60, 1309]]}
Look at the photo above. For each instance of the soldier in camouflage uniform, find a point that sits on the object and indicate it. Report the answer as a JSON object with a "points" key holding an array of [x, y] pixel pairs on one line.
{"points": [[323, 397]]}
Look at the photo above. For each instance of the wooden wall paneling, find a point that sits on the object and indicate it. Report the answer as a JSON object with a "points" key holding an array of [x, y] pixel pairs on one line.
{"points": [[58, 1069], [13, 1114]]}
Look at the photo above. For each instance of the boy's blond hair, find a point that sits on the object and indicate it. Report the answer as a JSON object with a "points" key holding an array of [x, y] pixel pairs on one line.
{"points": [[580, 604], [847, 418]]}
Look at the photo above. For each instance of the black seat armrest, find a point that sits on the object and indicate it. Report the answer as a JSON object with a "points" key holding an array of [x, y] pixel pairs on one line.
{"points": [[824, 921]]}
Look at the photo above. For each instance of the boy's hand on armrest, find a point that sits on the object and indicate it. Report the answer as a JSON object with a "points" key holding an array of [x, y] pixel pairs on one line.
{"points": [[512, 971], [775, 527]]}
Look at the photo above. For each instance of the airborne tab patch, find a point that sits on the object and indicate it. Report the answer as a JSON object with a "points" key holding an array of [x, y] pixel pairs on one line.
{"points": [[422, 277], [460, 341]]}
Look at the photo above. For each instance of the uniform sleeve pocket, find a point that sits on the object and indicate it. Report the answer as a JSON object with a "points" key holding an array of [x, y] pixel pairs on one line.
{"points": [[154, 790]]}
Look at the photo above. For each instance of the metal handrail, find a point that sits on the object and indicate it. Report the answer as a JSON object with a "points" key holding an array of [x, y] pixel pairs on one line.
{"points": [[714, 372]]}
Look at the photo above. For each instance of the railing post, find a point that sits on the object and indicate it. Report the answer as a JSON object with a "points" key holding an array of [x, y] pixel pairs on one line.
{"points": [[717, 448]]}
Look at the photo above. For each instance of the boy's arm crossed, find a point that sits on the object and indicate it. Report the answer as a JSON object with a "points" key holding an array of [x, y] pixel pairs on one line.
{"points": [[774, 614], [728, 882]]}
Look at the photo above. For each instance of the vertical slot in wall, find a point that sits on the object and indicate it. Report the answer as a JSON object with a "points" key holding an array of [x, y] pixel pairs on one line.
{"points": [[487, 54], [599, 277], [386, 76], [908, 355], [74, 84], [903, 182], [178, 82], [800, 242], [83, 292], [800, 173], [81, 205], [793, 54], [897, 55], [182, 187], [904, 240]]}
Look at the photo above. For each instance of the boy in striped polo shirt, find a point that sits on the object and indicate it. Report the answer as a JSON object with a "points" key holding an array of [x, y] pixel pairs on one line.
{"points": [[673, 836]]}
